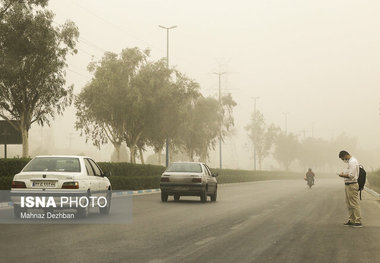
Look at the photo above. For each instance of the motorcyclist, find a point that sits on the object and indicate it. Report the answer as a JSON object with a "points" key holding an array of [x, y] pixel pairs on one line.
{"points": [[310, 176]]}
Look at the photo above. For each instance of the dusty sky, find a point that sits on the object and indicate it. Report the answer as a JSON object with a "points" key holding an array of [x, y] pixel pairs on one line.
{"points": [[317, 60]]}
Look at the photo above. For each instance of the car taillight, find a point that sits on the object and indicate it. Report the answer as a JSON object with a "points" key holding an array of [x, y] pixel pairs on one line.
{"points": [[70, 185], [18, 184], [164, 179], [197, 180]]}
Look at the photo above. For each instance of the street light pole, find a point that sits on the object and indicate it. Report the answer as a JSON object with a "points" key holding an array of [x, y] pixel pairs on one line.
{"points": [[220, 102], [167, 65], [254, 103], [254, 117]]}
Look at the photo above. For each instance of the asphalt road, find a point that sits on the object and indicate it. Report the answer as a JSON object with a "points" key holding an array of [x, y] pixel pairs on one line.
{"points": [[272, 221]]}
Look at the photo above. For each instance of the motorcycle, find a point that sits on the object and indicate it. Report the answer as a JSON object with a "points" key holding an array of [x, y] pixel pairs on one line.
{"points": [[310, 181]]}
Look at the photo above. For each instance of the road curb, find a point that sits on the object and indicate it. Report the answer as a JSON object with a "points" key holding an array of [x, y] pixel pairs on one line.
{"points": [[6, 204], [136, 192], [116, 194]]}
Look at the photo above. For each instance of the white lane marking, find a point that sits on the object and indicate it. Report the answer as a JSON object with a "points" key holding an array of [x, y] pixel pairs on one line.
{"points": [[238, 225], [204, 241], [252, 217], [374, 193]]}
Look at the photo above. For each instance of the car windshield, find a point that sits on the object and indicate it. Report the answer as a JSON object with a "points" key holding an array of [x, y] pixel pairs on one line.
{"points": [[185, 167], [54, 164]]}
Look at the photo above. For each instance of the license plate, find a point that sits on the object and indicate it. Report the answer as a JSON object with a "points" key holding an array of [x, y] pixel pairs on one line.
{"points": [[45, 184]]}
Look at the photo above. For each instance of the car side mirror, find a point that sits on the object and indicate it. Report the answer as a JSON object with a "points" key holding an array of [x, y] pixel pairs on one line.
{"points": [[215, 175], [106, 174]]}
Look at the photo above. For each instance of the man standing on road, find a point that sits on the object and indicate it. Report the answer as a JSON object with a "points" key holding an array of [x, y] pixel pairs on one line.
{"points": [[351, 188]]}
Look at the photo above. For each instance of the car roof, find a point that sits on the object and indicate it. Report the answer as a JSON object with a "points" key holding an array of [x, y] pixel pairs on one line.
{"points": [[189, 162], [69, 156]]}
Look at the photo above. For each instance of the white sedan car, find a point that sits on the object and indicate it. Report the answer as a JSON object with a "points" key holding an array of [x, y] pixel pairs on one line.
{"points": [[61, 175]]}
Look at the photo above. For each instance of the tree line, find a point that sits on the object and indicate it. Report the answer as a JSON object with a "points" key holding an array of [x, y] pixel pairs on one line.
{"points": [[291, 149], [141, 102], [131, 98]]}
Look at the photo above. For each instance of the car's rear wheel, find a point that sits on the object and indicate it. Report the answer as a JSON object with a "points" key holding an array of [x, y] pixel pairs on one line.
{"points": [[83, 212], [17, 210], [164, 197], [204, 196], [106, 210], [176, 197], [213, 196]]}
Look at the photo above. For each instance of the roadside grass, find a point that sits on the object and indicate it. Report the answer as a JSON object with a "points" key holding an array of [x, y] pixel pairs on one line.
{"points": [[373, 181]]}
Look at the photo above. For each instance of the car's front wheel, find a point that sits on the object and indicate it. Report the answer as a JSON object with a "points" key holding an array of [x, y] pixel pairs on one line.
{"points": [[106, 210], [164, 196], [204, 196], [213, 196]]}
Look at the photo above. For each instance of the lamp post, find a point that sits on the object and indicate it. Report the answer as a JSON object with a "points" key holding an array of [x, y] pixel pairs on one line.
{"points": [[254, 116], [220, 102], [167, 65]]}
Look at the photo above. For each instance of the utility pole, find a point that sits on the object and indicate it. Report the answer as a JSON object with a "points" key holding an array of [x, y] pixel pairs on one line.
{"points": [[304, 133], [167, 65], [220, 103], [254, 103], [254, 118]]}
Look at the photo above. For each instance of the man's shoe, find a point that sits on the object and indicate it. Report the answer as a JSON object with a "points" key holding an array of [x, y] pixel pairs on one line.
{"points": [[357, 225], [349, 224]]}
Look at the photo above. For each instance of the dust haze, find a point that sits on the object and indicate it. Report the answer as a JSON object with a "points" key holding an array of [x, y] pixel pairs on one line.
{"points": [[313, 64]]}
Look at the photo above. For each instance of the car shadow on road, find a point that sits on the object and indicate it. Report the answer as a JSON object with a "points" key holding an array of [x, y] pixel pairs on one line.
{"points": [[188, 201]]}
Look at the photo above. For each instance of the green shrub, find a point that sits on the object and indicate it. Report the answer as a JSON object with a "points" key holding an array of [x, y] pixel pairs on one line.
{"points": [[129, 169], [127, 176], [12, 166], [237, 176], [6, 182], [134, 182]]}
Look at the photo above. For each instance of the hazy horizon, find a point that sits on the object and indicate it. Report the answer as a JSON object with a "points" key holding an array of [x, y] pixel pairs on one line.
{"points": [[315, 60]]}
